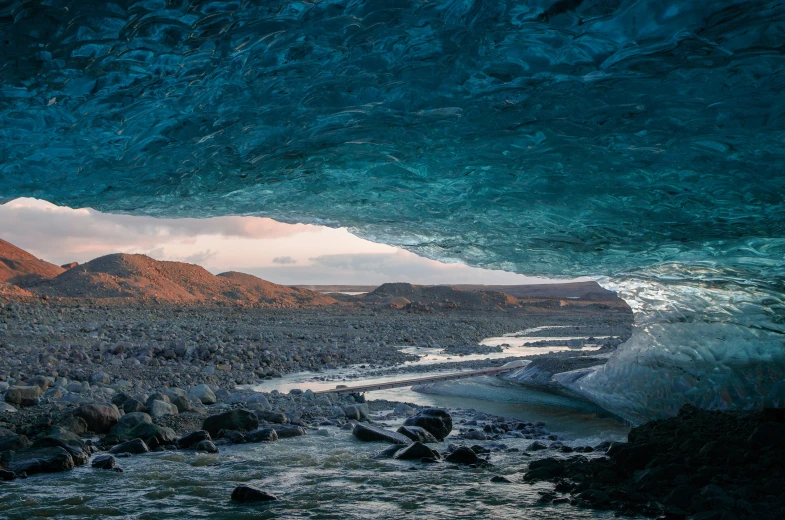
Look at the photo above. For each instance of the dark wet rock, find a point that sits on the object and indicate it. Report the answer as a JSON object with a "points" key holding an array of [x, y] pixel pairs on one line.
{"points": [[182, 404], [40, 460], [388, 453], [498, 479], [147, 432], [132, 405], [104, 462], [23, 395], [415, 451], [13, 442], [475, 435], [537, 446], [272, 417], [289, 430], [417, 433], [369, 433], [129, 421], [262, 435], [237, 419], [206, 446], [232, 436], [193, 438], [435, 420], [7, 476], [56, 436], [134, 447], [246, 493], [74, 424], [462, 455], [99, 417]]}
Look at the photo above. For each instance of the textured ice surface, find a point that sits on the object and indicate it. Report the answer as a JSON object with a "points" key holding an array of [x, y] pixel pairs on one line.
{"points": [[560, 138]]}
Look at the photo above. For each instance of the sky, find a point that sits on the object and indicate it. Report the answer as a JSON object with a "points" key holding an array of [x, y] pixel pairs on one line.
{"points": [[282, 253]]}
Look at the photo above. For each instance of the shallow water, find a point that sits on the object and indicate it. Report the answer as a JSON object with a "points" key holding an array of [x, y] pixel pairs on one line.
{"points": [[328, 477], [316, 477]]}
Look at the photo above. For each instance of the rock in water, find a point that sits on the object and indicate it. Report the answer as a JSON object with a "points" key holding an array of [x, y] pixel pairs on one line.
{"points": [[289, 430], [23, 395], [368, 433], [435, 420], [13, 442], [7, 476], [272, 417], [416, 451], [462, 455], [246, 493], [104, 462], [40, 460], [237, 419], [99, 417], [207, 447], [262, 435], [133, 447], [193, 438], [416, 433]]}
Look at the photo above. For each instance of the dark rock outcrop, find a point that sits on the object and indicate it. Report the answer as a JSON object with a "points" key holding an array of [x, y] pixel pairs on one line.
{"points": [[99, 417], [435, 420], [416, 451], [368, 433], [462, 455], [237, 419], [417, 434], [104, 462], [134, 447], [246, 493], [192, 439]]}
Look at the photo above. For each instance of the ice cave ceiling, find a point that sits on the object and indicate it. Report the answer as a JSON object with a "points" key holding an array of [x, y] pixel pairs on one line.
{"points": [[563, 137]]}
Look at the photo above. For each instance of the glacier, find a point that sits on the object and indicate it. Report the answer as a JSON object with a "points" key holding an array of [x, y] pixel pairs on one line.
{"points": [[641, 141]]}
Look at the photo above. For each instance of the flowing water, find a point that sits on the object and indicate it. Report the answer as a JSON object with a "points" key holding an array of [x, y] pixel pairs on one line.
{"points": [[327, 477]]}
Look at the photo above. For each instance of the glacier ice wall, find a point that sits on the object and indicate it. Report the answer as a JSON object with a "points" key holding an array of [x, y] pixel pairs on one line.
{"points": [[549, 137]]}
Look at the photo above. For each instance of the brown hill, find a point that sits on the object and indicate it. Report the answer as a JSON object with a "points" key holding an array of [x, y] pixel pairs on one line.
{"points": [[140, 277], [19, 267], [438, 296]]}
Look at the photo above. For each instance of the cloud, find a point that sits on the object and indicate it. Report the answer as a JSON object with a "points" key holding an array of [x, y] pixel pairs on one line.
{"points": [[284, 260], [377, 268], [63, 234]]}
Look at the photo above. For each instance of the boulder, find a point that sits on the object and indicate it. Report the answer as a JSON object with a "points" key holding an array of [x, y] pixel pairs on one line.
{"points": [[7, 476], [356, 411], [416, 451], [99, 417], [462, 455], [417, 434], [368, 433], [182, 404], [207, 447], [272, 417], [13, 442], [23, 395], [262, 435], [246, 493], [203, 393], [104, 462], [5, 407], [68, 440], [147, 431], [192, 439], [133, 405], [537, 446], [74, 424], [233, 436], [133, 447], [288, 430], [40, 460], [436, 420], [237, 419], [161, 408]]}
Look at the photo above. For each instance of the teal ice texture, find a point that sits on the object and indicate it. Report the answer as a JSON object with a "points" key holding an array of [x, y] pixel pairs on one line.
{"points": [[638, 139]]}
